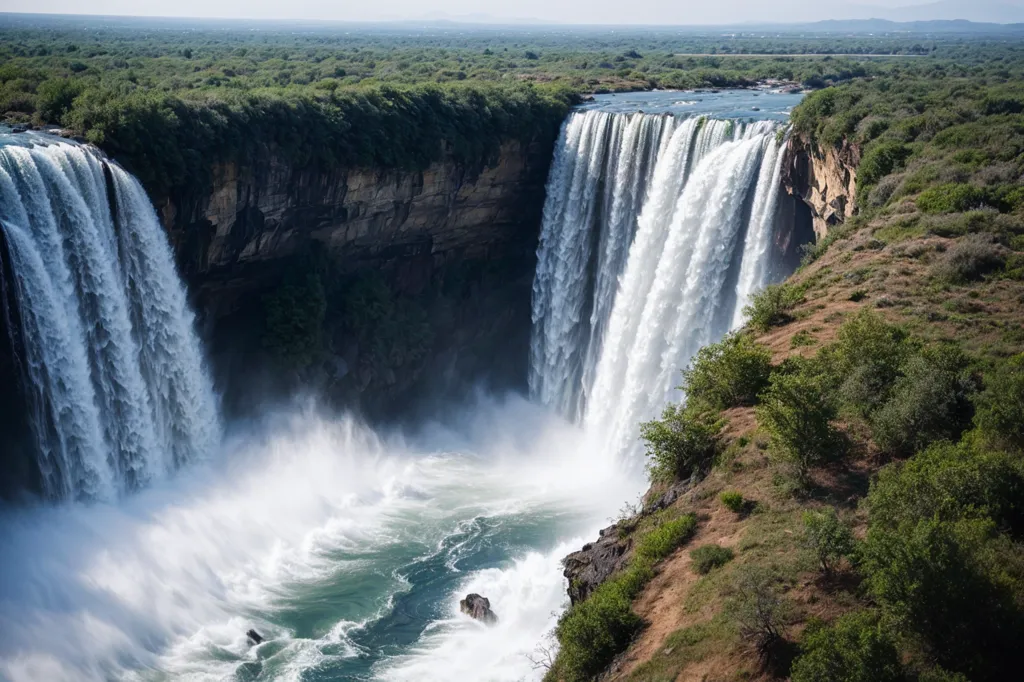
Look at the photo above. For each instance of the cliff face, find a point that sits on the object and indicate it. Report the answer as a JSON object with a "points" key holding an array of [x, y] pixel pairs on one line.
{"points": [[825, 178], [229, 239]]}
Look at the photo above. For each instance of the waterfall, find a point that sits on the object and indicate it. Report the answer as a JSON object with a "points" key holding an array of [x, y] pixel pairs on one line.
{"points": [[656, 232], [113, 365]]}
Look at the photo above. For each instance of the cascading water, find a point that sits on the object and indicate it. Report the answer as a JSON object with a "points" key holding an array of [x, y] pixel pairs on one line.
{"points": [[674, 267], [119, 393]]}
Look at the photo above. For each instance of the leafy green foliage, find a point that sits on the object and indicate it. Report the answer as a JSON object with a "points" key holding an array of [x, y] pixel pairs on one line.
{"points": [[828, 537], [950, 198], [864, 362], [931, 578], [949, 482], [856, 648], [930, 402], [1000, 407], [682, 442], [733, 501], [706, 558], [798, 419], [881, 159], [770, 307], [729, 373]]}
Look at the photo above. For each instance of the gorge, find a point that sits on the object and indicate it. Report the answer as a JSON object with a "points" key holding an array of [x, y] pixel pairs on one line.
{"points": [[348, 547]]}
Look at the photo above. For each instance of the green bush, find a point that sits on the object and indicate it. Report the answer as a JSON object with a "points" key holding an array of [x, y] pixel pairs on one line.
{"points": [[970, 259], [933, 580], [865, 361], [663, 539], [770, 307], [798, 419], [593, 632], [733, 501], [930, 402], [855, 648], [729, 373], [881, 159], [709, 557], [681, 443], [828, 537], [951, 198], [1000, 407], [949, 482]]}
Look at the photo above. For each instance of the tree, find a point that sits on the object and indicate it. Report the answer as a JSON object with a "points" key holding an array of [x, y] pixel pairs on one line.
{"points": [[828, 536], [729, 373], [682, 442], [798, 420]]}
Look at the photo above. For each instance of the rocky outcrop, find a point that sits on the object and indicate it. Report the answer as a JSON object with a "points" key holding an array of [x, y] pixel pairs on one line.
{"points": [[824, 178], [597, 561], [479, 608]]}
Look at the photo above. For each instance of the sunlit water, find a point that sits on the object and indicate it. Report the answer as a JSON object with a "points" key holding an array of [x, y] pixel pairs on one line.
{"points": [[347, 550]]}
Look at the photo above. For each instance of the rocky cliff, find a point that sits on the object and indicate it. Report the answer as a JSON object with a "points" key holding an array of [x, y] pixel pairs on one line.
{"points": [[824, 177], [453, 243], [256, 214]]}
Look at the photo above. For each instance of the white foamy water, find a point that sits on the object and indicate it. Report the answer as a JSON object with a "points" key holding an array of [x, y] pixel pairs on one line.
{"points": [[348, 551]]}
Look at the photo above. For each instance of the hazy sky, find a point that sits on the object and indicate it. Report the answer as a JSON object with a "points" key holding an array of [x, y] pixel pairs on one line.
{"points": [[567, 11]]}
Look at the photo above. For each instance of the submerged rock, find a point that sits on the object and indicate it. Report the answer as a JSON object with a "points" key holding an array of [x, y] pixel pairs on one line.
{"points": [[479, 608]]}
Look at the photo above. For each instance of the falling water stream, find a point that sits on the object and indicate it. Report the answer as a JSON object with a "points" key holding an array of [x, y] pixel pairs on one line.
{"points": [[166, 537]]}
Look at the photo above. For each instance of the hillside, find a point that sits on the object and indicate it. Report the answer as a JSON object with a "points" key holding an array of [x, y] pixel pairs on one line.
{"points": [[839, 499]]}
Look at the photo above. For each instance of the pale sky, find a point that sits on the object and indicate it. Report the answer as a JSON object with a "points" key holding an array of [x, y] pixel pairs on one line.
{"points": [[563, 11]]}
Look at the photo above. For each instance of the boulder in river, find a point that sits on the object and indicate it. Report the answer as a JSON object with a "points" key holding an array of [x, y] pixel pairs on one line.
{"points": [[478, 607]]}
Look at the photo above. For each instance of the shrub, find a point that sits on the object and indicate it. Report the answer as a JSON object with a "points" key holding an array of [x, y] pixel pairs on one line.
{"points": [[931, 579], [1000, 408], [733, 501], [728, 373], [865, 361], [828, 537], [709, 557], [770, 307], [951, 198], [949, 482], [854, 649], [681, 443], [931, 402], [798, 420], [881, 159], [663, 540], [758, 609], [971, 258], [593, 632]]}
